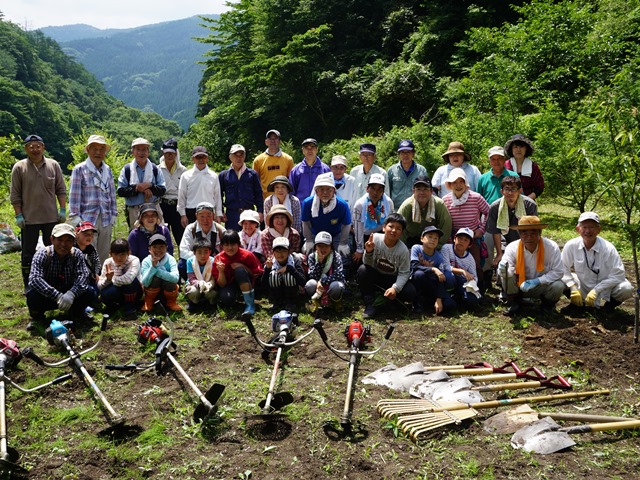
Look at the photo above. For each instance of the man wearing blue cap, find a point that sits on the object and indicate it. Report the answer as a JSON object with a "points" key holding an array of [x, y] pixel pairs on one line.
{"points": [[36, 182], [402, 175], [303, 176]]}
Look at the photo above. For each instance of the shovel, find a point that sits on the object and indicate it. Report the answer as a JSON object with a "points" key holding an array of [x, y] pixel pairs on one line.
{"points": [[462, 390], [512, 420], [546, 436]]}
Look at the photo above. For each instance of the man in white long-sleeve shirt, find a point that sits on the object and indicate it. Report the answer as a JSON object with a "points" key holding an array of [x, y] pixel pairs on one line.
{"points": [[531, 267], [593, 270], [198, 184]]}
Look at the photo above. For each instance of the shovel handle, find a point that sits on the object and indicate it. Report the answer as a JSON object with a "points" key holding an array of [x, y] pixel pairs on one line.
{"points": [[602, 427], [541, 398], [581, 417]]}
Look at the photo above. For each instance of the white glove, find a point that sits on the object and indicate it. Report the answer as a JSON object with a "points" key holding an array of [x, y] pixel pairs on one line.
{"points": [[203, 286], [65, 301], [344, 250], [189, 289]]}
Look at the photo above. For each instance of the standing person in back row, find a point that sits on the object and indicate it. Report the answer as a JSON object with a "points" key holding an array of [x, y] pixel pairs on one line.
{"points": [[199, 184], [36, 183], [140, 181], [92, 195], [240, 188], [518, 149], [272, 162], [362, 173], [172, 170], [303, 176], [402, 175]]}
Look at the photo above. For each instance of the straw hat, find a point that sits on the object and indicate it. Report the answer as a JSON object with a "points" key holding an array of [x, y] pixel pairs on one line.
{"points": [[529, 222], [278, 209]]}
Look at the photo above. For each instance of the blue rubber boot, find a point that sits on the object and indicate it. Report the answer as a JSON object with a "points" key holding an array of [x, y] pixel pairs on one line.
{"points": [[249, 299]]}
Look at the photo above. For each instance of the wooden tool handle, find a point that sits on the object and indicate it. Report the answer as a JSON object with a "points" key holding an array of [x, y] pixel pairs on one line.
{"points": [[601, 427], [580, 417], [506, 386]]}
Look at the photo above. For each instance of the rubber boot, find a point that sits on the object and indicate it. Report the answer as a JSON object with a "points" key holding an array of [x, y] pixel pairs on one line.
{"points": [[150, 295], [130, 305], [249, 298], [171, 300], [337, 305]]}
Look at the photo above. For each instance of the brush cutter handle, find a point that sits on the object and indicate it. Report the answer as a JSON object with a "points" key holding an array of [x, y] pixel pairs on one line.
{"points": [[317, 324], [105, 319], [390, 330], [55, 381], [31, 355], [249, 324], [61, 379]]}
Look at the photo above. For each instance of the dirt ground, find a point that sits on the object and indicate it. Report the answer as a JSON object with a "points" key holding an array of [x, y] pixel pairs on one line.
{"points": [[307, 442]]}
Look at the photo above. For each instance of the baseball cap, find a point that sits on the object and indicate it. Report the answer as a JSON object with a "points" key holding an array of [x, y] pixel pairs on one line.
{"points": [[367, 147], [405, 145], [63, 229], [140, 141], [170, 145], [376, 179], [497, 151], [589, 216], [84, 226], [280, 242], [422, 180], [338, 160], [309, 140], [272, 131], [465, 231], [157, 238], [33, 138], [431, 228], [323, 237], [236, 148], [199, 151]]}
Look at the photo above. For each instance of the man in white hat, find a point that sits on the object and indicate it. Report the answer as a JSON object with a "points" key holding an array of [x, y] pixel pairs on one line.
{"points": [[593, 269], [369, 213], [345, 183], [59, 279], [92, 194], [490, 187], [240, 188], [36, 183], [140, 181], [326, 212], [531, 267], [199, 184]]}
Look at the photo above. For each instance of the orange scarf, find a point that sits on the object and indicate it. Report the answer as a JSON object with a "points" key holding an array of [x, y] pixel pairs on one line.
{"points": [[520, 270]]}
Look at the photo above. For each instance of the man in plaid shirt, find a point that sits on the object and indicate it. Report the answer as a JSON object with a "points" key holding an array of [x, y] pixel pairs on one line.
{"points": [[59, 279]]}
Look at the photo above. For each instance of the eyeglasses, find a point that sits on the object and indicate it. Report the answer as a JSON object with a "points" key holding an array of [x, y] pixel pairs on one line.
{"points": [[510, 189]]}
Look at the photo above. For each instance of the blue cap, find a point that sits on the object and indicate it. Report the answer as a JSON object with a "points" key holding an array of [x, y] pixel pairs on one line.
{"points": [[368, 147], [405, 145]]}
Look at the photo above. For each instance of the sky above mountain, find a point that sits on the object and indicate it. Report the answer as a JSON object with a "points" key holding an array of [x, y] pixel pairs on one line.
{"points": [[34, 14]]}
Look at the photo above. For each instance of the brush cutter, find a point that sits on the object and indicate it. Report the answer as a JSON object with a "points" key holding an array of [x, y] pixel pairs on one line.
{"points": [[514, 419], [463, 390], [546, 436], [154, 332], [357, 337], [417, 416], [9, 357], [283, 325], [60, 334]]}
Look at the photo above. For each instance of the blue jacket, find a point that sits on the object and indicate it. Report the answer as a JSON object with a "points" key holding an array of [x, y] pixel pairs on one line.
{"points": [[303, 176]]}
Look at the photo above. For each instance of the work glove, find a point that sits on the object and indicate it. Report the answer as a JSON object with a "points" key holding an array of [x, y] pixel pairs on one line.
{"points": [[576, 298], [529, 285], [65, 301], [74, 220], [20, 221], [62, 215], [203, 286], [189, 289], [591, 299], [343, 250]]}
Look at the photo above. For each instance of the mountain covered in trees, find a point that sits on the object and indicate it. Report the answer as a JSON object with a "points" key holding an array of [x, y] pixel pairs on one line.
{"points": [[154, 67], [44, 91]]}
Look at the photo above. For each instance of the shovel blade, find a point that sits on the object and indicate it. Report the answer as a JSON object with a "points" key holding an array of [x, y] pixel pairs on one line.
{"points": [[456, 390], [541, 437], [278, 401], [213, 395], [511, 420], [394, 377]]}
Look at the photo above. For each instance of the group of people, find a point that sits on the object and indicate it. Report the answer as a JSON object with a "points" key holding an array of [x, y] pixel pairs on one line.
{"points": [[294, 230]]}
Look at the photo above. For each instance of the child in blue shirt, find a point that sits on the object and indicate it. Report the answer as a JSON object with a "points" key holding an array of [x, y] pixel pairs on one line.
{"points": [[430, 273], [159, 272]]}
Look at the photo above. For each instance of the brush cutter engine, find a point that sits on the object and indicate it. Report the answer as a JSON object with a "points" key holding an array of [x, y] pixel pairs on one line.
{"points": [[357, 335], [9, 352], [59, 330], [151, 331]]}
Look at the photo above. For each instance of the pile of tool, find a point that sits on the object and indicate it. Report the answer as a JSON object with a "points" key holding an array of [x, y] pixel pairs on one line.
{"points": [[450, 394]]}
